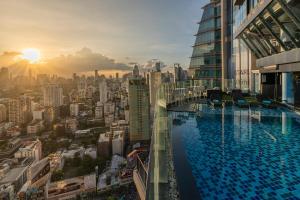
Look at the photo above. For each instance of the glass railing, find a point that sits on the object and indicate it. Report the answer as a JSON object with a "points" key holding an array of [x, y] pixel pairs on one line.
{"points": [[161, 181]]}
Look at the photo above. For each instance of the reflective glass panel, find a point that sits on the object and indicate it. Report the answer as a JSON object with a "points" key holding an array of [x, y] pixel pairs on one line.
{"points": [[286, 22]]}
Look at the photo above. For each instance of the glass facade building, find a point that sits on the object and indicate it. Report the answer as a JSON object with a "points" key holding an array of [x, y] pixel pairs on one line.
{"points": [[206, 58], [270, 30]]}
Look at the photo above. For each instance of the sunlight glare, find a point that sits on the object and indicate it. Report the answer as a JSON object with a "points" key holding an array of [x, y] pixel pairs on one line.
{"points": [[32, 55]]}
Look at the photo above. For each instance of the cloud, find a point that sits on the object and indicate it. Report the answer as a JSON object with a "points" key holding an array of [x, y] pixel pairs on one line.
{"points": [[8, 58], [150, 64], [85, 60], [81, 61]]}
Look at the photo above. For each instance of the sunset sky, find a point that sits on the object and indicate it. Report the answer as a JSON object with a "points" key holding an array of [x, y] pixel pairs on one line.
{"points": [[123, 30]]}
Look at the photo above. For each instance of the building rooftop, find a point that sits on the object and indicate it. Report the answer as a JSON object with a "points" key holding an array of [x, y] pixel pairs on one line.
{"points": [[13, 175], [103, 137]]}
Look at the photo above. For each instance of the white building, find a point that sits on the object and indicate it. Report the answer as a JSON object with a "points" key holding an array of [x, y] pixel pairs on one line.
{"points": [[99, 111], [53, 95], [32, 149], [38, 114], [71, 153], [75, 109]]}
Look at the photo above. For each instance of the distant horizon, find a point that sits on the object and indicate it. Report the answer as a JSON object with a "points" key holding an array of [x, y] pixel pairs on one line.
{"points": [[114, 33]]}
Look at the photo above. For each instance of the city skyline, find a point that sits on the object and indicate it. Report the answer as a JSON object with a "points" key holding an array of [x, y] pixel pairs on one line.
{"points": [[115, 33]]}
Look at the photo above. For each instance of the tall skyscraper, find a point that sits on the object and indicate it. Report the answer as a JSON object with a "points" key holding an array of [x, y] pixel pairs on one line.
{"points": [[154, 84], [19, 110], [53, 95], [14, 109], [103, 91], [213, 41], [139, 110]]}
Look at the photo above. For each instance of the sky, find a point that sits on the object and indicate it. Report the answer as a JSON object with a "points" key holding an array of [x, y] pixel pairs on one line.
{"points": [[122, 31]]}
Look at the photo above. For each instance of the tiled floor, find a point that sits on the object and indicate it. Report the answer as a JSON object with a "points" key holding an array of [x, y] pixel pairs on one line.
{"points": [[242, 154]]}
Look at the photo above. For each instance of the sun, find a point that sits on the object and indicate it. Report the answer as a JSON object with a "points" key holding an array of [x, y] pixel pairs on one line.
{"points": [[32, 55]]}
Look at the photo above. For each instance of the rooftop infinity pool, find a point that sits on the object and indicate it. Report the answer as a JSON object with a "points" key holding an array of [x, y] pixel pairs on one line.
{"points": [[233, 153]]}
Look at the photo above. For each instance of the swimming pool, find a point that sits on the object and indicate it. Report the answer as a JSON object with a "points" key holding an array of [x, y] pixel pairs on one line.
{"points": [[232, 153]]}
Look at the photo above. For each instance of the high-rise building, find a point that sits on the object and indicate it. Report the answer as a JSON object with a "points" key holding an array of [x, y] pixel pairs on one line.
{"points": [[139, 110], [154, 84], [206, 58], [19, 110], [269, 31], [53, 95], [103, 91], [213, 42], [14, 109], [26, 113], [3, 113], [136, 71]]}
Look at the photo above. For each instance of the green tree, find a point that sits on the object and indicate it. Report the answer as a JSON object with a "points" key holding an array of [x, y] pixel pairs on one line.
{"points": [[57, 175]]}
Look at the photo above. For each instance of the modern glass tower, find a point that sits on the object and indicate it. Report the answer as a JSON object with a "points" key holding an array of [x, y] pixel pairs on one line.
{"points": [[211, 59], [206, 58]]}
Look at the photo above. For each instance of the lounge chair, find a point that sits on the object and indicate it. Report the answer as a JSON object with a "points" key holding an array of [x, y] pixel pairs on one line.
{"points": [[215, 98], [266, 102], [238, 99]]}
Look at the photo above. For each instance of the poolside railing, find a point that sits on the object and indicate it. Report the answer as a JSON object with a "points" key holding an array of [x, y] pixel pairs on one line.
{"points": [[160, 180]]}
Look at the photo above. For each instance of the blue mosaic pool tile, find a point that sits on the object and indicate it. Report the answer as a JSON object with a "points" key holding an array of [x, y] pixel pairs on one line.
{"points": [[234, 155]]}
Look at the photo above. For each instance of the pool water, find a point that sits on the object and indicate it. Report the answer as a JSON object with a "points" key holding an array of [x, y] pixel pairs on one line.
{"points": [[237, 153]]}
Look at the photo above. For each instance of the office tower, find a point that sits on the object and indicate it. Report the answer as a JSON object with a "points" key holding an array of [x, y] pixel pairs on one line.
{"points": [[139, 110], [3, 111], [14, 111], [99, 111], [179, 73], [136, 71], [103, 91], [270, 31], [19, 110], [213, 40], [96, 79], [154, 84], [26, 113], [53, 95]]}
